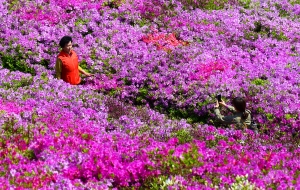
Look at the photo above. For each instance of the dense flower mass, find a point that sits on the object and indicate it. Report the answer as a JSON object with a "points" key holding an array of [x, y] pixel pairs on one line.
{"points": [[144, 120], [162, 41]]}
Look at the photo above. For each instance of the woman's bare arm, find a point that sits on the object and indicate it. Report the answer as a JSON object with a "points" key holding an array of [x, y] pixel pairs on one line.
{"points": [[58, 68], [81, 70]]}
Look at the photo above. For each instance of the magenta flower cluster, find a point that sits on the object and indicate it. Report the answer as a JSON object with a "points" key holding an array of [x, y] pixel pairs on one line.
{"points": [[205, 70]]}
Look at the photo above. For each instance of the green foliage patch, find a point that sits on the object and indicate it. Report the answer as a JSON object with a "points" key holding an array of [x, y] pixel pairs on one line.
{"points": [[183, 136], [15, 84], [294, 2], [259, 82], [205, 4], [245, 3], [264, 31], [15, 63], [172, 166]]}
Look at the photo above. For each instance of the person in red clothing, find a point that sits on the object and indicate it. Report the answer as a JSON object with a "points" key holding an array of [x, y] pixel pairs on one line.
{"points": [[67, 67]]}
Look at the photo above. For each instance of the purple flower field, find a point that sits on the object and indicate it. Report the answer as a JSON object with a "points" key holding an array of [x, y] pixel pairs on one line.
{"points": [[145, 120]]}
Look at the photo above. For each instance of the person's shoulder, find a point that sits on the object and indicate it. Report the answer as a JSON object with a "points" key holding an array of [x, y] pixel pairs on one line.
{"points": [[61, 53]]}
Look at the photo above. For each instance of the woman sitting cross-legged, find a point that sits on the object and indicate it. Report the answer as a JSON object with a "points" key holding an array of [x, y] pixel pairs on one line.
{"points": [[241, 117]]}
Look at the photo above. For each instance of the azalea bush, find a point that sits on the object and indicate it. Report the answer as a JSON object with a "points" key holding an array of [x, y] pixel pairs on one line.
{"points": [[145, 119]]}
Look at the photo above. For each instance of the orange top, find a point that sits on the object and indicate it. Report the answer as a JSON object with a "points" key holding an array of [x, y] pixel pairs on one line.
{"points": [[69, 67]]}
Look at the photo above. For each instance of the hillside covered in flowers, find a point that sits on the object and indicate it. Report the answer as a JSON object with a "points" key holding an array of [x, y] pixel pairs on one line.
{"points": [[145, 119]]}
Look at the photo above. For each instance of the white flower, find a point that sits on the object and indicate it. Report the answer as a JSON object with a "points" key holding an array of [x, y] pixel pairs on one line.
{"points": [[13, 172], [241, 182]]}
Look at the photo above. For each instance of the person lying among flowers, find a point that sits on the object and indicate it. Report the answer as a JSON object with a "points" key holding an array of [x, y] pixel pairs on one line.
{"points": [[67, 66], [241, 117]]}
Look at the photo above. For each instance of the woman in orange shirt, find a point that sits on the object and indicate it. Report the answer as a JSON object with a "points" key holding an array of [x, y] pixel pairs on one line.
{"points": [[67, 66]]}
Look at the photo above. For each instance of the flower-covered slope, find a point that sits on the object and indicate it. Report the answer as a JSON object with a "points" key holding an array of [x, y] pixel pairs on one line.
{"points": [[54, 135], [167, 60]]}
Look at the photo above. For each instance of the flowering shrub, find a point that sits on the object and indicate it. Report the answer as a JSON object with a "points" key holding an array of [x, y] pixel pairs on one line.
{"points": [[142, 74], [50, 12], [102, 82], [162, 41], [204, 71], [105, 134]]}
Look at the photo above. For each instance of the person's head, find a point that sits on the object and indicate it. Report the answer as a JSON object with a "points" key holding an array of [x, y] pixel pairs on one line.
{"points": [[240, 105], [66, 44]]}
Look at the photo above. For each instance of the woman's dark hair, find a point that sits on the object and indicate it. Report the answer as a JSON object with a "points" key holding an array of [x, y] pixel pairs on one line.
{"points": [[240, 105], [65, 40]]}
